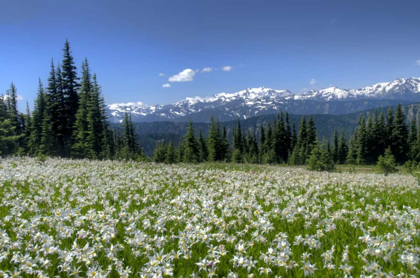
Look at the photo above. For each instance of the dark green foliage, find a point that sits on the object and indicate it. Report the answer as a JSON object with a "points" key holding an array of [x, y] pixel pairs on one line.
{"points": [[170, 157], [215, 141], [342, 150], [204, 152], [321, 159], [159, 155], [81, 132], [8, 136], [37, 120], [191, 146], [399, 136], [69, 88], [387, 164]]}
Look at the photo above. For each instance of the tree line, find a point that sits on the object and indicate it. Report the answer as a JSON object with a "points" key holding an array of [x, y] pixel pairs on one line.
{"points": [[278, 142], [68, 120]]}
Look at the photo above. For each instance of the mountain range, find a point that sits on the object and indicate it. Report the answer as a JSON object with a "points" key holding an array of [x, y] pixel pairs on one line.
{"points": [[253, 102]]}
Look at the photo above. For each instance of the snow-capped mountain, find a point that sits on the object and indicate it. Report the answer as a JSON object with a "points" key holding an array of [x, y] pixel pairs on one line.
{"points": [[257, 101], [400, 89]]}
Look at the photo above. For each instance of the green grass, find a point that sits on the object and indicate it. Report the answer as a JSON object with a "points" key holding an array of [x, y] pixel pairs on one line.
{"points": [[189, 209]]}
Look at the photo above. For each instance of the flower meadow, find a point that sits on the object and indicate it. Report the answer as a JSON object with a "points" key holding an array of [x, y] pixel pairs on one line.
{"points": [[80, 218]]}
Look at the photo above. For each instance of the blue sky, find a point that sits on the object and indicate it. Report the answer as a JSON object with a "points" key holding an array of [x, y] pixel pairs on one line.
{"points": [[277, 44]]}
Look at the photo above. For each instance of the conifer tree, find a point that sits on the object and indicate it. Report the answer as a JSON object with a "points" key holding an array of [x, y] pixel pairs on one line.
{"points": [[69, 87], [335, 153], [362, 137], [342, 149], [37, 120], [11, 101], [389, 127], [7, 130], [108, 144], [159, 154], [130, 149], [412, 139], [81, 132], [226, 154], [214, 141], [261, 149], [204, 152], [300, 150], [170, 157], [27, 129], [95, 123], [237, 137], [352, 153], [311, 135], [288, 139], [191, 151], [294, 136], [399, 146]]}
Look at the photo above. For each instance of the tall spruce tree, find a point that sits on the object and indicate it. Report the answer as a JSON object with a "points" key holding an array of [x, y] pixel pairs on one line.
{"points": [[191, 151], [81, 130], [37, 120], [170, 157], [204, 152], [335, 151], [362, 147], [7, 130], [95, 123], [399, 136], [11, 101], [342, 149], [70, 86], [214, 141]]}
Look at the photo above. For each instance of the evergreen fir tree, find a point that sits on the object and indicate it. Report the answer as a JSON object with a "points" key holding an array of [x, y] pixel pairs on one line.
{"points": [[27, 129], [412, 139], [13, 109], [342, 149], [8, 136], [294, 136], [214, 141], [159, 154], [204, 152], [170, 154], [37, 120], [301, 148], [81, 132], [191, 151], [71, 99], [225, 147], [311, 136], [362, 142], [95, 123], [261, 150], [399, 146], [335, 153]]}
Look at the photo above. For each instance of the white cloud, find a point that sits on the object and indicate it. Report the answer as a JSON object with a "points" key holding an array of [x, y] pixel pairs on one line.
{"points": [[184, 76], [418, 62], [207, 70], [161, 74], [18, 97], [313, 81], [227, 68], [166, 85]]}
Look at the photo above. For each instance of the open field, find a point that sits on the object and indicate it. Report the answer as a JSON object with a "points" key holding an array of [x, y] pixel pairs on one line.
{"points": [[110, 219]]}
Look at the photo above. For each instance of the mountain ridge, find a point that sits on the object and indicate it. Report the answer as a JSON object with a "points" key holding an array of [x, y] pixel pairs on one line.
{"points": [[253, 102]]}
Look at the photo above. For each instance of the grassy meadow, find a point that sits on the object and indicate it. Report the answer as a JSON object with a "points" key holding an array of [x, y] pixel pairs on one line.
{"points": [[81, 218]]}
